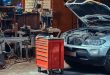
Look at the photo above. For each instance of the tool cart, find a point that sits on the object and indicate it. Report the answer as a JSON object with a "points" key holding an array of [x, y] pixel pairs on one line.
{"points": [[50, 54]]}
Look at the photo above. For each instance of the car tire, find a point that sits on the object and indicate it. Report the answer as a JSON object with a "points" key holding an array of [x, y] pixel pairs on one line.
{"points": [[107, 63], [71, 62]]}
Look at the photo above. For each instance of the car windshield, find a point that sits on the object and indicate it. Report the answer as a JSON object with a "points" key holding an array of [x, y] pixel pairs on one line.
{"points": [[90, 12]]}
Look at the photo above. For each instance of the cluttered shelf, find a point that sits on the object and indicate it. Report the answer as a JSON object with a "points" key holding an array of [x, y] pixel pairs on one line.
{"points": [[28, 13], [7, 7], [7, 17], [30, 19]]}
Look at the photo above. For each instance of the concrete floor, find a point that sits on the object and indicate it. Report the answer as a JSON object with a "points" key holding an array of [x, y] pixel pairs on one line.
{"points": [[24, 68], [30, 68]]}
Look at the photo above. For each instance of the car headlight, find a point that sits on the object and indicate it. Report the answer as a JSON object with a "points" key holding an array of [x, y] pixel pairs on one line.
{"points": [[94, 42]]}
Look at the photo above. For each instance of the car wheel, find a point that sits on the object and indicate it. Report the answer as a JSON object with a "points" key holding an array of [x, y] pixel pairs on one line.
{"points": [[107, 63], [71, 62]]}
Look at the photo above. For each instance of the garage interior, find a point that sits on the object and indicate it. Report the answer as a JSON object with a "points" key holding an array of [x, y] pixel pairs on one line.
{"points": [[31, 28]]}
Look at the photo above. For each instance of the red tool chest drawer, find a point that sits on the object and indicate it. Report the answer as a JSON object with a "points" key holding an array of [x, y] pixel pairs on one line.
{"points": [[43, 64], [45, 54], [50, 53]]}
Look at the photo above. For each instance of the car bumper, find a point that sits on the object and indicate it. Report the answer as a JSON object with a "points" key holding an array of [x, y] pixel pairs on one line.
{"points": [[83, 56]]}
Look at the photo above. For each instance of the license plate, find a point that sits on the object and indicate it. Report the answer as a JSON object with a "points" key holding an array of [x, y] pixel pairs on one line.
{"points": [[70, 53]]}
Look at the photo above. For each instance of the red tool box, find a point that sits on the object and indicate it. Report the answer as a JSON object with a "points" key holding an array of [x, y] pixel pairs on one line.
{"points": [[50, 54]]}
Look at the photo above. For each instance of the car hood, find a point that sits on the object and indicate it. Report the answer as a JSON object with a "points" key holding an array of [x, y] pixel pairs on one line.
{"points": [[91, 13]]}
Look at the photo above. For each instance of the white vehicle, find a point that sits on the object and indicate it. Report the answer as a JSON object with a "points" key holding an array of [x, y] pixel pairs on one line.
{"points": [[90, 42]]}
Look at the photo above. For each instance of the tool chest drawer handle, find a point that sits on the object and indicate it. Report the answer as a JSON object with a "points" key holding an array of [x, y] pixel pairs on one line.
{"points": [[44, 45], [43, 40], [41, 55], [44, 49], [40, 42], [43, 60], [41, 48]]}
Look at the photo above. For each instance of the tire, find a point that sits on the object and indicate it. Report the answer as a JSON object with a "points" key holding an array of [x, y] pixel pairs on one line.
{"points": [[71, 62], [49, 72], [39, 69], [107, 63], [61, 71]]}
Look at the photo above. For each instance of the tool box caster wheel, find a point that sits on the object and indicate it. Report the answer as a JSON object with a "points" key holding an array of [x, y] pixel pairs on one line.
{"points": [[49, 72], [61, 71], [39, 69]]}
